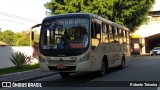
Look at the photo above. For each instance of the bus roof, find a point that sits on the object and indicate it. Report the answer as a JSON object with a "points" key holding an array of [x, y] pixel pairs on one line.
{"points": [[86, 15]]}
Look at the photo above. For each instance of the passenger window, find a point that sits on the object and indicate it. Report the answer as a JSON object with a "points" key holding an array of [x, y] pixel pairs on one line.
{"points": [[92, 30], [120, 36], [95, 34], [111, 38], [125, 37], [128, 41], [96, 30], [105, 34], [116, 35]]}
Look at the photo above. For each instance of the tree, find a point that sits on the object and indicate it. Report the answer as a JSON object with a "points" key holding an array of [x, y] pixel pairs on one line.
{"points": [[23, 41], [129, 13], [7, 36], [16, 37]]}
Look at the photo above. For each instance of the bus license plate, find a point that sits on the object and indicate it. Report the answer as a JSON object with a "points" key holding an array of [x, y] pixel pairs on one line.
{"points": [[61, 66]]}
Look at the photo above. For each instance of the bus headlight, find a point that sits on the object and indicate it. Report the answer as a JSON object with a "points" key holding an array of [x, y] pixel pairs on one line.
{"points": [[85, 58], [42, 59]]}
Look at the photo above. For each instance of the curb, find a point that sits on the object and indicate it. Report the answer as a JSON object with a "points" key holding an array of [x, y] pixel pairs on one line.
{"points": [[36, 77]]}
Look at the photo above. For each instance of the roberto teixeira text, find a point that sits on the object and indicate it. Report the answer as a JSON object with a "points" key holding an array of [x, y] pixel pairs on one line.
{"points": [[17, 84]]}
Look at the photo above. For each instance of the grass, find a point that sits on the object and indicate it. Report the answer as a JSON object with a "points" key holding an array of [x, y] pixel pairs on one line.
{"points": [[18, 69]]}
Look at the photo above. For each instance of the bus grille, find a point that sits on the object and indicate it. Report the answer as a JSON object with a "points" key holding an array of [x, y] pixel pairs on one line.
{"points": [[70, 62], [68, 68]]}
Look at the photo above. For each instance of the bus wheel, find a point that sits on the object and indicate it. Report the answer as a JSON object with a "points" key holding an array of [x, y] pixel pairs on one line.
{"points": [[123, 63], [102, 72], [64, 74]]}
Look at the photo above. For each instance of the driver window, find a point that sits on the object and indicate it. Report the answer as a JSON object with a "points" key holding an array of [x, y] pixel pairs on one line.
{"points": [[96, 30], [95, 34]]}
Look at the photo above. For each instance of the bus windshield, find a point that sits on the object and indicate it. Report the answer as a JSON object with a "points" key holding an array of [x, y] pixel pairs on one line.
{"points": [[67, 33]]}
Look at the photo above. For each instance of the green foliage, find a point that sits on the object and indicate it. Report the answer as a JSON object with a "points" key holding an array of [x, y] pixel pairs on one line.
{"points": [[18, 59], [130, 13], [36, 37], [18, 69], [7, 36], [17, 39], [23, 41]]}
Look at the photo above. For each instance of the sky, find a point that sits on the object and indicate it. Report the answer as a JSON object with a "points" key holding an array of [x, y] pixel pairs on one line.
{"points": [[156, 6], [20, 15]]}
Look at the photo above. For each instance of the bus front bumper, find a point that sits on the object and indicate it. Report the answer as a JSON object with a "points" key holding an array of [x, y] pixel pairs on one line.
{"points": [[79, 67]]}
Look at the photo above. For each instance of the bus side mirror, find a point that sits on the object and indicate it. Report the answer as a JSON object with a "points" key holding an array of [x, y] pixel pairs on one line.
{"points": [[32, 35]]}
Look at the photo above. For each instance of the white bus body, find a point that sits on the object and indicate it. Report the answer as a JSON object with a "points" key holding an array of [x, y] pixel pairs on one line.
{"points": [[108, 45]]}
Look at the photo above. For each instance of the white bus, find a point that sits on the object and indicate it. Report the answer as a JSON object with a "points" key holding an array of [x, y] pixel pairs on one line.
{"points": [[82, 42]]}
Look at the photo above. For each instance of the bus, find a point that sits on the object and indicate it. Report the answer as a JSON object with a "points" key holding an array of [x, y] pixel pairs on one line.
{"points": [[82, 42]]}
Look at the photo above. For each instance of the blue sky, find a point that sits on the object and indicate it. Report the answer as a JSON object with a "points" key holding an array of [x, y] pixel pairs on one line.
{"points": [[19, 15]]}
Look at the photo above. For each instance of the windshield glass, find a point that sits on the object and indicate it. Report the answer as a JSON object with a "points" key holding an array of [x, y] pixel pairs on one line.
{"points": [[68, 33]]}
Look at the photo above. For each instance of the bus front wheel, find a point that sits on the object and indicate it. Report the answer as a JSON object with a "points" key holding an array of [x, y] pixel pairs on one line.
{"points": [[64, 74], [104, 69]]}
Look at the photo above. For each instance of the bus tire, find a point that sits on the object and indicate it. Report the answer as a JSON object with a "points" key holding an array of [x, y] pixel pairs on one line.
{"points": [[64, 74], [104, 68], [123, 63]]}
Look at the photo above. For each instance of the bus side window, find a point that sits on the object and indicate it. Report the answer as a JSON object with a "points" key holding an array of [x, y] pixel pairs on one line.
{"points": [[128, 41], [92, 31], [116, 35], [105, 33], [95, 34], [124, 37], [120, 36], [111, 37], [96, 31]]}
